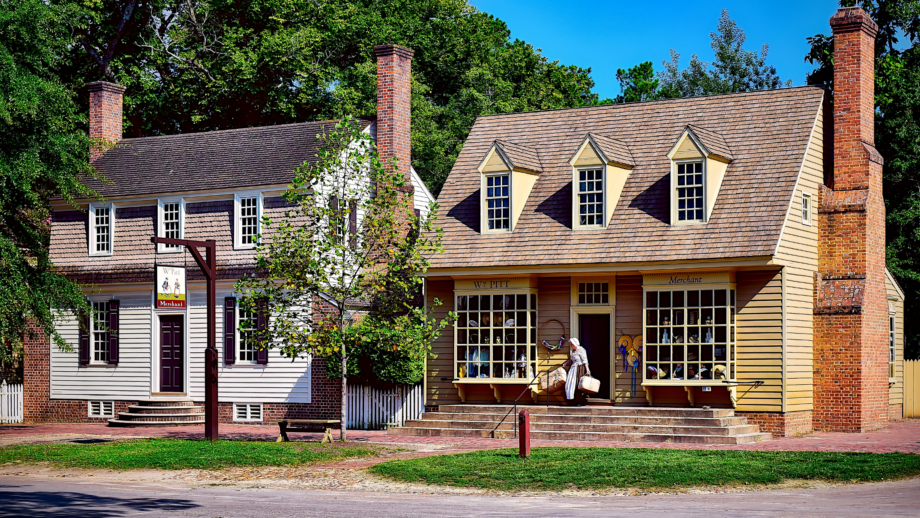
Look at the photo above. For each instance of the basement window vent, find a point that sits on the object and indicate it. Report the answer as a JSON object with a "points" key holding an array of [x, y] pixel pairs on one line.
{"points": [[101, 408], [247, 412]]}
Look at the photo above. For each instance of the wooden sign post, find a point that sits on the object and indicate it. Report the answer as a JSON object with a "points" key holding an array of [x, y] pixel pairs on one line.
{"points": [[524, 437], [209, 267]]}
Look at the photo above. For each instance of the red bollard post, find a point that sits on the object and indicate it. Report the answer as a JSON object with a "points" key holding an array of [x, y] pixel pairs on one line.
{"points": [[524, 435]]}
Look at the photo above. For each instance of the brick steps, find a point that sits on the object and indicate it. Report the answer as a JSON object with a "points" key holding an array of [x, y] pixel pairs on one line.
{"points": [[593, 423], [160, 412]]}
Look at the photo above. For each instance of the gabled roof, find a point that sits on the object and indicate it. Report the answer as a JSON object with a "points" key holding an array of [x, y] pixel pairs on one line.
{"points": [[519, 157], [713, 142], [765, 133], [613, 150], [226, 159]]}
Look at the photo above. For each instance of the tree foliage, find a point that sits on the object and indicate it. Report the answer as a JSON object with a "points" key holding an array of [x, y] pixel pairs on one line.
{"points": [[638, 83], [44, 154], [897, 137], [350, 236], [196, 65]]}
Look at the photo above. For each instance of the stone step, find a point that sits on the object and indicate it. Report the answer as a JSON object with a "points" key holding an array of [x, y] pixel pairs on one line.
{"points": [[140, 409], [585, 436], [161, 402], [122, 423], [587, 427], [185, 417], [590, 410], [591, 419]]}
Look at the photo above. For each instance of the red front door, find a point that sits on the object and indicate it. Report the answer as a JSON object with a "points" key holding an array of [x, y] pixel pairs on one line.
{"points": [[171, 353]]}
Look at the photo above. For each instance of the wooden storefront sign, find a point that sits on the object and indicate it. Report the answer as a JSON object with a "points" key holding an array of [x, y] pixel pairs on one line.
{"points": [[688, 279], [170, 287], [494, 283]]}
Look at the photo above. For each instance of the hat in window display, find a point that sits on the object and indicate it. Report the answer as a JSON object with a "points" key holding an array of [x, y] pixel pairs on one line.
{"points": [[652, 372], [473, 323], [509, 322], [718, 372]]}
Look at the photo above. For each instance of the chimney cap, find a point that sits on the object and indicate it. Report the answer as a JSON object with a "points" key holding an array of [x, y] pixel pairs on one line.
{"points": [[100, 86], [853, 19], [389, 50]]}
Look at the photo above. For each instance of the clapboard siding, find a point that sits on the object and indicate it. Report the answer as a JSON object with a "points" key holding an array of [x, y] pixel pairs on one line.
{"points": [[441, 363], [628, 321], [759, 345], [279, 381], [130, 379], [553, 302], [896, 392]]}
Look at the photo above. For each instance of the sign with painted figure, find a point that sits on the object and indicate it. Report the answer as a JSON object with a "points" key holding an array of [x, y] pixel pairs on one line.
{"points": [[170, 287]]}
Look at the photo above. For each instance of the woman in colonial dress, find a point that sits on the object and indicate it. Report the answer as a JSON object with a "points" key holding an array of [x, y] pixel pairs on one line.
{"points": [[578, 367]]}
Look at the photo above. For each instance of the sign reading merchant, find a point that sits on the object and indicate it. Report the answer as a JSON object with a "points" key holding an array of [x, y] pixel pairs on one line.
{"points": [[170, 287], [688, 280]]}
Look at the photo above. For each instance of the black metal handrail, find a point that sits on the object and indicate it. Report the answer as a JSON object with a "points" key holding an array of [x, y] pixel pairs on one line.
{"points": [[514, 408]]}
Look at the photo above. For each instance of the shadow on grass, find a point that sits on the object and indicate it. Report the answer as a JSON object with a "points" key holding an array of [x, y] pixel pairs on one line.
{"points": [[46, 504]]}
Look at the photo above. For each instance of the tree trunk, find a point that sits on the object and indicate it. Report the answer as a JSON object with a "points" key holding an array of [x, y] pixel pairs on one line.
{"points": [[344, 394]]}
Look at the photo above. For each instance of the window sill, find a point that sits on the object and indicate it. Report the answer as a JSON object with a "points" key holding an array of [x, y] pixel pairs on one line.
{"points": [[170, 251], [493, 381], [109, 254], [244, 247], [686, 383], [245, 364], [100, 365]]}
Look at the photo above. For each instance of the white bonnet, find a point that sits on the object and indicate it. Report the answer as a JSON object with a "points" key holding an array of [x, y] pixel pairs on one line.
{"points": [[574, 341]]}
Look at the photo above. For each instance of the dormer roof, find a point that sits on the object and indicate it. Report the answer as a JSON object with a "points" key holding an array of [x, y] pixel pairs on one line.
{"points": [[612, 151], [518, 157], [714, 145]]}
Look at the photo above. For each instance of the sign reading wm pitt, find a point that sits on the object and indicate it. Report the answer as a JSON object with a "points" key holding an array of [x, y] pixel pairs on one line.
{"points": [[170, 287]]}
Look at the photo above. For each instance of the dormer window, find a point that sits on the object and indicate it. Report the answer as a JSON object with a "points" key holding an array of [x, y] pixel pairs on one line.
{"points": [[699, 161], [498, 202], [508, 173], [101, 229], [247, 219], [690, 190], [600, 167], [171, 216]]}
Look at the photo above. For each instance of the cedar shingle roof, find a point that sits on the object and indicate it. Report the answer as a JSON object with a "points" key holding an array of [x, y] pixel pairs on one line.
{"points": [[713, 141], [227, 159], [521, 157], [766, 133], [615, 150]]}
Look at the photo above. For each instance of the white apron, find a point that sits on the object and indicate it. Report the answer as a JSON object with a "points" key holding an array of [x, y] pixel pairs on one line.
{"points": [[579, 357]]}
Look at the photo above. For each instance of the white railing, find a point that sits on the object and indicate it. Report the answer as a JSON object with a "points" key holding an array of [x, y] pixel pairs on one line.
{"points": [[10, 403], [375, 409]]}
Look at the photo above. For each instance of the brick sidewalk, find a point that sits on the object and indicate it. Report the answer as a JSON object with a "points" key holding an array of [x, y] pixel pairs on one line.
{"points": [[900, 436]]}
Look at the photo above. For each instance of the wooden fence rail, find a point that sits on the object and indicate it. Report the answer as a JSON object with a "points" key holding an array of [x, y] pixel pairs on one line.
{"points": [[10, 403], [374, 409], [911, 388]]}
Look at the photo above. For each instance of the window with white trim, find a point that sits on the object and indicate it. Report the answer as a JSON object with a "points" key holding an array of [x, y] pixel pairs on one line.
{"points": [[248, 215], [591, 197], [100, 338], [892, 346], [498, 202], [806, 209], [690, 185], [496, 335], [246, 352], [171, 223], [100, 409], [247, 411], [101, 229]]}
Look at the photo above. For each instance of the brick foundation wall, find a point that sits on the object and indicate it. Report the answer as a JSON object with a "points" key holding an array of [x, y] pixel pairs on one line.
{"points": [[787, 424], [895, 412]]}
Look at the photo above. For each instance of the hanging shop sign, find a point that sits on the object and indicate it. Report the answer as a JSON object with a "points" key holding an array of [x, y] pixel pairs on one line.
{"points": [[170, 287]]}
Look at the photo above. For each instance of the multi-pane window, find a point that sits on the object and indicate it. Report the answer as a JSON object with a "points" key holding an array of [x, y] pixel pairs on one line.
{"points": [[249, 220], [171, 223], [892, 351], [593, 293], [101, 227], [246, 353], [690, 191], [806, 208], [498, 201], [496, 336], [100, 332], [591, 197], [690, 335]]}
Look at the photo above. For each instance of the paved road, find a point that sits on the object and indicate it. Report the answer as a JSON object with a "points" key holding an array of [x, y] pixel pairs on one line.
{"points": [[56, 498]]}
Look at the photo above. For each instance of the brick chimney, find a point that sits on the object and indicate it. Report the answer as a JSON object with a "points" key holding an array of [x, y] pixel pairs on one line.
{"points": [[105, 118], [851, 304], [394, 100]]}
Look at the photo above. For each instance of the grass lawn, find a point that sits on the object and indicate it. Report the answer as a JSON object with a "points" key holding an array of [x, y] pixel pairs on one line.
{"points": [[182, 454], [596, 468]]}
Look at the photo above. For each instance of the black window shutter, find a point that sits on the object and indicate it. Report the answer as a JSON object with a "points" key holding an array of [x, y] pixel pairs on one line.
{"points": [[85, 332], [261, 327], [113, 332], [353, 222], [229, 330]]}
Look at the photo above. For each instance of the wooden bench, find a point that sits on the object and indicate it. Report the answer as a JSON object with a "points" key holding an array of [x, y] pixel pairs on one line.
{"points": [[304, 425]]}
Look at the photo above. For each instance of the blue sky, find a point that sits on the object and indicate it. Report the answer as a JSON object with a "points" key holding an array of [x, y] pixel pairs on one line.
{"points": [[606, 35]]}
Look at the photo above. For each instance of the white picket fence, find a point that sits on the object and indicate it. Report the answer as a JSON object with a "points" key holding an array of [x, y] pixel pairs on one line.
{"points": [[10, 403], [375, 409]]}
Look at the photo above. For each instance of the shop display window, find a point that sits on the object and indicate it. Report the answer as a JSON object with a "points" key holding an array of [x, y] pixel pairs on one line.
{"points": [[689, 335], [495, 336]]}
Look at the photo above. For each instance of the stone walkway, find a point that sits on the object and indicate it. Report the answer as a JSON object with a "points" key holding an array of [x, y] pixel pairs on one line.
{"points": [[900, 436]]}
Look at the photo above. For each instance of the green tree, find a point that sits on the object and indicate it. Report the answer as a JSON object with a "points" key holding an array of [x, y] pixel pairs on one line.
{"points": [[897, 137], [733, 70], [638, 83], [350, 235], [44, 154]]}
